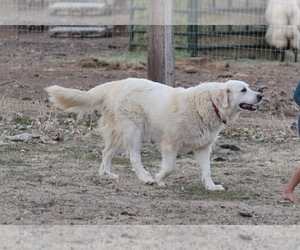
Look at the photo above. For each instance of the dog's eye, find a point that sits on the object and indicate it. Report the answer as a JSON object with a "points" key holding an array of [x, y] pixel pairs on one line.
{"points": [[244, 90]]}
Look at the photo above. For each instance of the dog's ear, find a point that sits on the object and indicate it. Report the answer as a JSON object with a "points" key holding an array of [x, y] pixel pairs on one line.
{"points": [[223, 97]]}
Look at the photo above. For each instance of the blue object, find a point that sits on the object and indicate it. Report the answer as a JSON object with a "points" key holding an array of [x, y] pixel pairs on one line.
{"points": [[297, 94], [297, 100]]}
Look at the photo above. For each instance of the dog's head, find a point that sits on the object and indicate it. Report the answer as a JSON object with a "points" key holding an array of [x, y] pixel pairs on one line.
{"points": [[235, 96]]}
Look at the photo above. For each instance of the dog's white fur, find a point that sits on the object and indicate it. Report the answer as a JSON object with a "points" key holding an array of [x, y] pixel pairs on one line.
{"points": [[279, 35], [282, 12], [133, 109], [283, 18]]}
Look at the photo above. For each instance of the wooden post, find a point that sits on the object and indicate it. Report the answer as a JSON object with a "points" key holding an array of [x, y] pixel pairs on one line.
{"points": [[160, 42]]}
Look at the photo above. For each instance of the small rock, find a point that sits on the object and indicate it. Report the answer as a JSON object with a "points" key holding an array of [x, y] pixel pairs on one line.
{"points": [[191, 70]]}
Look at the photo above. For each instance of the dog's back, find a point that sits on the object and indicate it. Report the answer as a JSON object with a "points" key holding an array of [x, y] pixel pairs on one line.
{"points": [[145, 93]]}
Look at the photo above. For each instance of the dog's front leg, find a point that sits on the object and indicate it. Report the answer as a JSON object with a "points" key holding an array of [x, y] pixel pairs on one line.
{"points": [[202, 156], [169, 155]]}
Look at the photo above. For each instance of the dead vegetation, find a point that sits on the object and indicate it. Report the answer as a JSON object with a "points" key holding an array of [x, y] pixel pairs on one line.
{"points": [[50, 165], [49, 161]]}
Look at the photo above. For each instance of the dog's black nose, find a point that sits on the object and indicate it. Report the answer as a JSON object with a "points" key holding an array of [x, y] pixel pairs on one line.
{"points": [[259, 97]]}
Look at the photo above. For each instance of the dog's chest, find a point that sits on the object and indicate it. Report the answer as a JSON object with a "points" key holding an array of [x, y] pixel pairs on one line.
{"points": [[199, 137]]}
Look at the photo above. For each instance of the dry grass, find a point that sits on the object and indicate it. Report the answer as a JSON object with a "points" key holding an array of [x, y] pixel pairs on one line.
{"points": [[253, 177]]}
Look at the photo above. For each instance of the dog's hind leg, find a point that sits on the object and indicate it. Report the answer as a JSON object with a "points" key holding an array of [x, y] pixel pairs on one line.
{"points": [[107, 155], [134, 147]]}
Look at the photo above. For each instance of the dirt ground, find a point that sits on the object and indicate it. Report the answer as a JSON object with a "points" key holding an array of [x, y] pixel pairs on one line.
{"points": [[49, 174]]}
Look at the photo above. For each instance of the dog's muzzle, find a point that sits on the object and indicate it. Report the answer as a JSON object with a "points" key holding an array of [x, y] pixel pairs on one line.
{"points": [[251, 107]]}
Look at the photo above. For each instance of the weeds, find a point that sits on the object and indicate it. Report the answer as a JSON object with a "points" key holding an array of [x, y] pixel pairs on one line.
{"points": [[19, 119]]}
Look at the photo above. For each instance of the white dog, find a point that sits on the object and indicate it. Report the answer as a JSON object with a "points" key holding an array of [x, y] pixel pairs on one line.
{"points": [[279, 36], [279, 12], [133, 109], [283, 18]]}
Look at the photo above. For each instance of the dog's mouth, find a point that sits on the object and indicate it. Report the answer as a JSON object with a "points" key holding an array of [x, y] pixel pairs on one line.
{"points": [[246, 106]]}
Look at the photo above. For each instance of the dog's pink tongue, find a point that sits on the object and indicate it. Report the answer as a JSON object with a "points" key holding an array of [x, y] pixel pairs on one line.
{"points": [[248, 106]]}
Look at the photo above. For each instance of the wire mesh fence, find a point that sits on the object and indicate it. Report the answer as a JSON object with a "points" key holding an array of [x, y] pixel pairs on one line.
{"points": [[43, 37], [231, 29]]}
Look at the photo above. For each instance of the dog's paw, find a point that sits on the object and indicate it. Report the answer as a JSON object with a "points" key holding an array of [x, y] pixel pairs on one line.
{"points": [[215, 187], [109, 176], [148, 180], [161, 184], [159, 180]]}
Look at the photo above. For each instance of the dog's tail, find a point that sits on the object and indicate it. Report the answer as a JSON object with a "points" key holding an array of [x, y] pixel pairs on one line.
{"points": [[72, 100]]}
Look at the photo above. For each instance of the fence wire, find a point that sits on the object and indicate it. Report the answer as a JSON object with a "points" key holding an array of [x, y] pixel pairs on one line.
{"points": [[219, 29]]}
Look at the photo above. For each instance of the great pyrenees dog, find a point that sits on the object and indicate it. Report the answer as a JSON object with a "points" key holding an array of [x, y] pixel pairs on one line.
{"points": [[283, 18], [136, 109], [280, 35], [280, 12]]}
